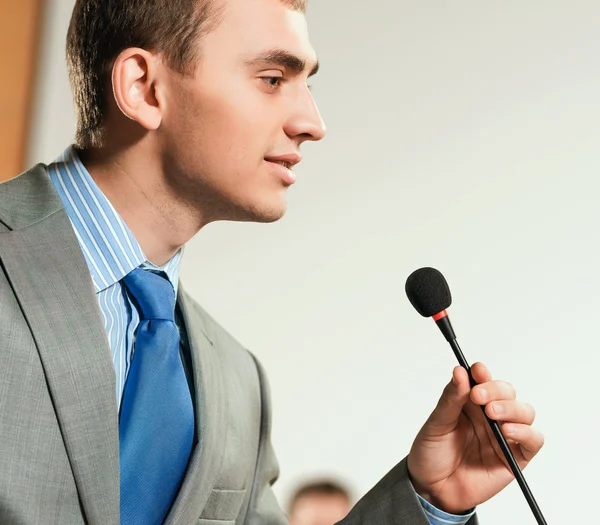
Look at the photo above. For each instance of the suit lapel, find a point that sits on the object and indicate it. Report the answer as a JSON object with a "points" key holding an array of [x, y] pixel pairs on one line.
{"points": [[210, 400], [51, 281]]}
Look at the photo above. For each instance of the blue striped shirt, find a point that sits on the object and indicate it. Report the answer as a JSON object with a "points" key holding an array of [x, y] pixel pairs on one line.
{"points": [[438, 517], [111, 252]]}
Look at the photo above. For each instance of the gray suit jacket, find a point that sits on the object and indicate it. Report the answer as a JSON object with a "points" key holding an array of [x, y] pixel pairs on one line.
{"points": [[59, 447]]}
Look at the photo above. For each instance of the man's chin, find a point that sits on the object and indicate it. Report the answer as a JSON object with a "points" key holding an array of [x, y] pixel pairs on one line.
{"points": [[266, 215], [261, 214]]}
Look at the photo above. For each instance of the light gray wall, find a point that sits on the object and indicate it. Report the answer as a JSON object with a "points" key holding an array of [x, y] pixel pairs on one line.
{"points": [[462, 135], [53, 126]]}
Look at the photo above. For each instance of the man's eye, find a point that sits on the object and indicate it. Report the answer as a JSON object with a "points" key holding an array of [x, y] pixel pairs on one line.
{"points": [[274, 82]]}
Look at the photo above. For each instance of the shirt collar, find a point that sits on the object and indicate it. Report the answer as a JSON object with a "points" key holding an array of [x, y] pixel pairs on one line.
{"points": [[109, 247]]}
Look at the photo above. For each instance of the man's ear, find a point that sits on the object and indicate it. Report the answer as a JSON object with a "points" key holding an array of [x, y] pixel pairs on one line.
{"points": [[134, 84]]}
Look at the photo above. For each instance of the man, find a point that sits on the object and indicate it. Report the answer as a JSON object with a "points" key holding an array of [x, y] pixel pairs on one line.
{"points": [[189, 111], [319, 503]]}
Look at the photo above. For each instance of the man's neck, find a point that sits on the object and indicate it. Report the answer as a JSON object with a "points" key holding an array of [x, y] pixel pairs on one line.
{"points": [[136, 188]]}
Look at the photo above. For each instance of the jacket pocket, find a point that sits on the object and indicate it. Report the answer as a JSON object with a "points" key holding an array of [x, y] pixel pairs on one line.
{"points": [[222, 506]]}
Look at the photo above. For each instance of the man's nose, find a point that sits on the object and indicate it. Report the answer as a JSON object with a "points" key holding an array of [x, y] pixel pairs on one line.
{"points": [[305, 122]]}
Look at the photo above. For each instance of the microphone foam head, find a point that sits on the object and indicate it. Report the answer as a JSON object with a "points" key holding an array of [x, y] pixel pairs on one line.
{"points": [[428, 291]]}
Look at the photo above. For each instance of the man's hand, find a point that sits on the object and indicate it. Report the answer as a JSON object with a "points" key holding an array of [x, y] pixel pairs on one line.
{"points": [[455, 462]]}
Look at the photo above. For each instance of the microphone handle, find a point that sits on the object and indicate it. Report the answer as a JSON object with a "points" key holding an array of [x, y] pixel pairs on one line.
{"points": [[512, 462]]}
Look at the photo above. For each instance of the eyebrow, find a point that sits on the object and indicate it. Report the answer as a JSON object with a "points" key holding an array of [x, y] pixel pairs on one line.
{"points": [[283, 58]]}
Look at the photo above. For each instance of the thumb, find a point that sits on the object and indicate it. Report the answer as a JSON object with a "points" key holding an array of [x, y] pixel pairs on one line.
{"points": [[454, 397]]}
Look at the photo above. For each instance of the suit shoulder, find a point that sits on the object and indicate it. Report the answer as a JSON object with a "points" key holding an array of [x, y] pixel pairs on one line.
{"points": [[27, 199]]}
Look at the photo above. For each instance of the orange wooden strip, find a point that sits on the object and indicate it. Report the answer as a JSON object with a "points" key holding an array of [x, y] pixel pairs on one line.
{"points": [[19, 36]]}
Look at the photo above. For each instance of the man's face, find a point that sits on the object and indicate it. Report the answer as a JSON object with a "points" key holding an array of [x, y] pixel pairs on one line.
{"points": [[228, 130], [319, 509]]}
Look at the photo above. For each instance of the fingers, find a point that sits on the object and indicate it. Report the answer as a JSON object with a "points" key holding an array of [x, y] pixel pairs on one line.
{"points": [[455, 395], [529, 439], [513, 411], [480, 373], [460, 379], [499, 399], [488, 390], [484, 393], [515, 417]]}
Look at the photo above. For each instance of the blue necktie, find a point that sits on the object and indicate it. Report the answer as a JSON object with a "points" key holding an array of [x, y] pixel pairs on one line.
{"points": [[156, 426]]}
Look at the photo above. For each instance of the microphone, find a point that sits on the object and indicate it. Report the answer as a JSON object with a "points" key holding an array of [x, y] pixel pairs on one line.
{"points": [[429, 293]]}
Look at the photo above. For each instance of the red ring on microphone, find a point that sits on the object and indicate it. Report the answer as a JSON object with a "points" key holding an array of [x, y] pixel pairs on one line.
{"points": [[441, 315]]}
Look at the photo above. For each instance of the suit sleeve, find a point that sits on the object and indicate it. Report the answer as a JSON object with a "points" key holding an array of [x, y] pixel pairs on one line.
{"points": [[393, 501]]}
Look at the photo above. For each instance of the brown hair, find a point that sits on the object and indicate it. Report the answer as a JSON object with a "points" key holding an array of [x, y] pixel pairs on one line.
{"points": [[100, 29], [319, 488]]}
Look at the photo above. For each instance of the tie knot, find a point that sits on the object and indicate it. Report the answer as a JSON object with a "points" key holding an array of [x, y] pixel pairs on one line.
{"points": [[153, 293]]}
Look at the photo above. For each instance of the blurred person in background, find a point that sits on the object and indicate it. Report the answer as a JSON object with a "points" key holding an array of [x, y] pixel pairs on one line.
{"points": [[319, 502]]}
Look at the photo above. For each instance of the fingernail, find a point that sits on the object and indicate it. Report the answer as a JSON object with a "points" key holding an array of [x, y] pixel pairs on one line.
{"points": [[454, 381], [483, 394], [498, 409]]}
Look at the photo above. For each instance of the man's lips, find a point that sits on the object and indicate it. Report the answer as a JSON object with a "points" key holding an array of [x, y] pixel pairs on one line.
{"points": [[288, 160], [283, 166]]}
